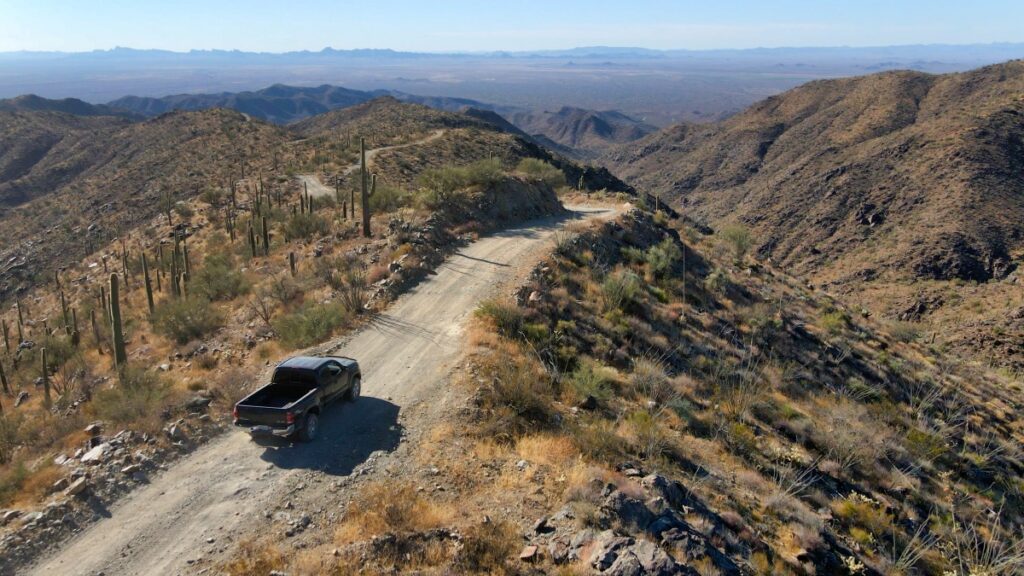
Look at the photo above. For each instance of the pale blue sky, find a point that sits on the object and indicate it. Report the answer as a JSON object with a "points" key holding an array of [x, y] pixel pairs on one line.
{"points": [[465, 25]]}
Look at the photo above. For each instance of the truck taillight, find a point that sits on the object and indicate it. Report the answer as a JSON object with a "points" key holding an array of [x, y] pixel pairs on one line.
{"points": [[234, 412], [289, 418]]}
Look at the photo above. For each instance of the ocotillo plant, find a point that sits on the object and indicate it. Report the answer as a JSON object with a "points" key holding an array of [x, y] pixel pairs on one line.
{"points": [[149, 285], [116, 332], [46, 378]]}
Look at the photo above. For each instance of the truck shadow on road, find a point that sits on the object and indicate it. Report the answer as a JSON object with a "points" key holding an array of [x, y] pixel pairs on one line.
{"points": [[349, 433]]}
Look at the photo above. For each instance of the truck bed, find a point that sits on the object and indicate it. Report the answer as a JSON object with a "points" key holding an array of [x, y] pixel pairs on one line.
{"points": [[277, 395]]}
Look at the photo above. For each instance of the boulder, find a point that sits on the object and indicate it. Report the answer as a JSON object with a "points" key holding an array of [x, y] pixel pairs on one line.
{"points": [[529, 554], [629, 511], [670, 490], [97, 455], [77, 487]]}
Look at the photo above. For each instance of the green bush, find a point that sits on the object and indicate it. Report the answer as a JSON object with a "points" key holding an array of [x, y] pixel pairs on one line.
{"points": [[660, 258], [138, 396], [446, 185], [507, 318], [305, 226], [619, 289], [540, 170], [311, 324], [185, 319], [835, 321], [218, 279], [389, 198], [591, 379], [484, 173]]}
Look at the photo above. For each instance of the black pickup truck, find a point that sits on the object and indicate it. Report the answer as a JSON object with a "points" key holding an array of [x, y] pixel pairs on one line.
{"points": [[301, 387]]}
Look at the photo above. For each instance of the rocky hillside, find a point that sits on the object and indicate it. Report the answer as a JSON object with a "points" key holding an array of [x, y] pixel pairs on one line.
{"points": [[894, 177], [421, 137], [587, 131], [76, 182]]}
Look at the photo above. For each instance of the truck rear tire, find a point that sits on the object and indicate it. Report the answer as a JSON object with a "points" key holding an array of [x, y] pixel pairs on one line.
{"points": [[310, 427]]}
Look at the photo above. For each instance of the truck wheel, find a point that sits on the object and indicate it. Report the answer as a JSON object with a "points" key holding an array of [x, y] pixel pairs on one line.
{"points": [[310, 427], [357, 388]]}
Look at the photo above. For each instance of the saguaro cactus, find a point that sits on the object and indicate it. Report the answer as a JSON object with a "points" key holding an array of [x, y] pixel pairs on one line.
{"points": [[266, 237], [368, 185], [116, 333], [3, 380], [149, 285], [47, 402], [64, 312], [7, 339], [291, 262]]}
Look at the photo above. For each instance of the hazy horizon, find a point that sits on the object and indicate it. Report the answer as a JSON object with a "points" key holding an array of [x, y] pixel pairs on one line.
{"points": [[465, 26]]}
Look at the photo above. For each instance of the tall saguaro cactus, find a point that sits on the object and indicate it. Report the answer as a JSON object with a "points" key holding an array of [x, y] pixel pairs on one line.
{"points": [[116, 333], [368, 185], [149, 285]]}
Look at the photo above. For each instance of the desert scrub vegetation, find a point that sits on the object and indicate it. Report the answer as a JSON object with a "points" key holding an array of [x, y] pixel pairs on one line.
{"points": [[540, 170], [186, 319], [837, 449], [310, 324]]}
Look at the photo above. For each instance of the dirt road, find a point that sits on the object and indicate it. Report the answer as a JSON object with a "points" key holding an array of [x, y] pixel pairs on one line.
{"points": [[317, 188], [220, 492]]}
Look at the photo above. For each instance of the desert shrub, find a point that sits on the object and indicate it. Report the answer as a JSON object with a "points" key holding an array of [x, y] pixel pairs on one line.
{"points": [[230, 386], [486, 172], [487, 547], [389, 198], [650, 380], [140, 394], [855, 510], [352, 290], [12, 479], [905, 331], [520, 395], [619, 289], [835, 321], [185, 319], [540, 170], [390, 507], [738, 238], [650, 438], [592, 379], [218, 279], [507, 318], [254, 558], [717, 282], [304, 226], [310, 324], [660, 258]]}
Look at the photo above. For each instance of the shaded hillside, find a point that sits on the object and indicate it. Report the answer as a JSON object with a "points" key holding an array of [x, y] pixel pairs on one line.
{"points": [[98, 179], [589, 131], [901, 174], [42, 150], [33, 103], [278, 103]]}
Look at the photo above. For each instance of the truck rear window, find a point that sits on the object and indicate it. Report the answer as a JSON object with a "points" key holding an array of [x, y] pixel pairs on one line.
{"points": [[294, 376]]}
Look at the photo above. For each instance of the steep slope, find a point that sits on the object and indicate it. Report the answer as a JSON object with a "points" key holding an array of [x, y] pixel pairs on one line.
{"points": [[899, 171], [895, 188], [94, 177], [589, 131]]}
